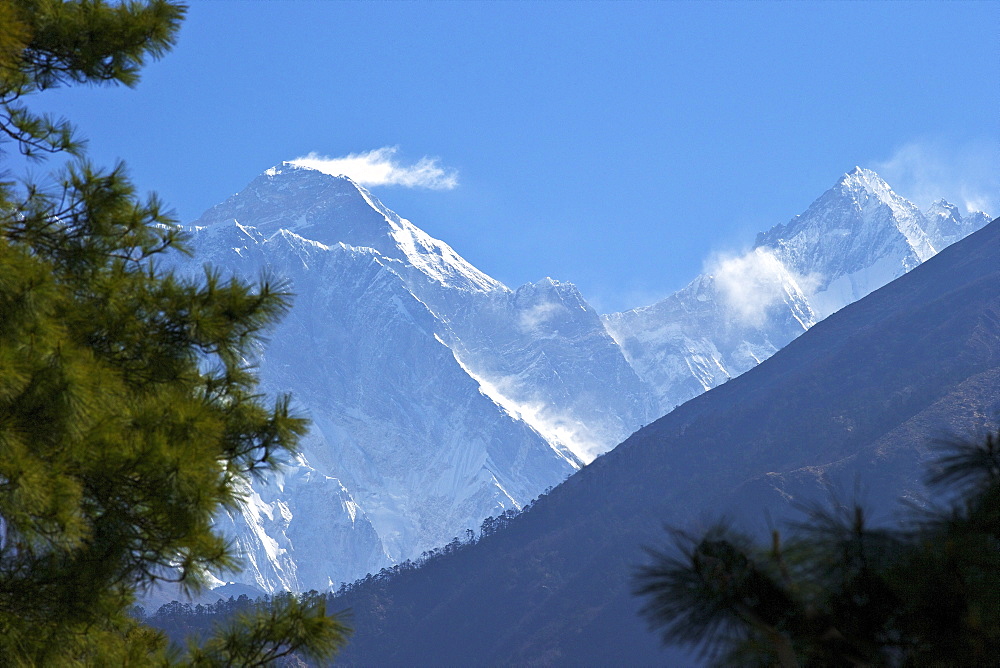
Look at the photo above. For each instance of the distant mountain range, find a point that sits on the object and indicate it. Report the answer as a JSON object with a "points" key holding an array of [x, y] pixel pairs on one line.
{"points": [[851, 409], [440, 397]]}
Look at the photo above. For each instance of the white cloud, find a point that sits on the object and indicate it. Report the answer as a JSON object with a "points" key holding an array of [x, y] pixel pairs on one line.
{"points": [[926, 170], [750, 285], [380, 168]]}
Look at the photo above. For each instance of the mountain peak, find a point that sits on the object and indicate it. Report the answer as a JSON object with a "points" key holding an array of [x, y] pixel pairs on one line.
{"points": [[860, 178], [854, 238], [853, 190], [287, 166], [301, 199], [335, 209], [289, 170], [294, 168], [942, 207]]}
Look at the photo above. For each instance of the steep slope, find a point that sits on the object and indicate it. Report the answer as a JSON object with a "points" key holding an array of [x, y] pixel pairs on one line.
{"points": [[438, 395], [543, 352], [860, 235], [402, 439], [856, 398], [853, 239], [715, 328]]}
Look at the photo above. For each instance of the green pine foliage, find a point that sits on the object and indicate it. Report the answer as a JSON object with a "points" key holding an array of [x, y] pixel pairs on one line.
{"points": [[841, 592], [286, 625], [129, 410]]}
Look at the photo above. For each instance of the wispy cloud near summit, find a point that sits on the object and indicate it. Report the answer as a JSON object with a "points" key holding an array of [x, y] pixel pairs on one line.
{"points": [[380, 168], [967, 174], [752, 284]]}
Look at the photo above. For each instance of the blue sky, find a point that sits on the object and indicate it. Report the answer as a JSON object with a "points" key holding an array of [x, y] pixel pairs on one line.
{"points": [[612, 145]]}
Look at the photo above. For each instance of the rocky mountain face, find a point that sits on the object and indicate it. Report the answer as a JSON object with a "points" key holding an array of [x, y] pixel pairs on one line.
{"points": [[440, 397]]}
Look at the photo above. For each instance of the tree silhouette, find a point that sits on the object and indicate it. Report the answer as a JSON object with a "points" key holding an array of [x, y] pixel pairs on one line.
{"points": [[840, 592]]}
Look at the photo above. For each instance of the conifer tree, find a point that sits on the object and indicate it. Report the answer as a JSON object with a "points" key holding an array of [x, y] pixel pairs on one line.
{"points": [[841, 592], [129, 410]]}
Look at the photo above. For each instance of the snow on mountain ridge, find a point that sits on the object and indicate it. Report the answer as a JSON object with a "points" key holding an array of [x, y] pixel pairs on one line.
{"points": [[411, 452], [329, 209], [334, 209], [699, 337], [946, 222], [439, 396], [388, 350], [861, 206], [545, 354], [856, 237], [908, 216]]}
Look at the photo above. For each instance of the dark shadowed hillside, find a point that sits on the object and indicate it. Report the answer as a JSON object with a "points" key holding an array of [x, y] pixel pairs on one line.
{"points": [[853, 403]]}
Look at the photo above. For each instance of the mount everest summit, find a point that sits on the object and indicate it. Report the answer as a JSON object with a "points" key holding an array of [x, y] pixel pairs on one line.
{"points": [[439, 396]]}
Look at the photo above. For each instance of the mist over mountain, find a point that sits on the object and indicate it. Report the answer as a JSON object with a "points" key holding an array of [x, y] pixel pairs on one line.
{"points": [[439, 396]]}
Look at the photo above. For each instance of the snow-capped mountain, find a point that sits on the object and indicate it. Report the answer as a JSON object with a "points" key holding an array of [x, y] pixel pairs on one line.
{"points": [[404, 446], [860, 235], [852, 240], [439, 396]]}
